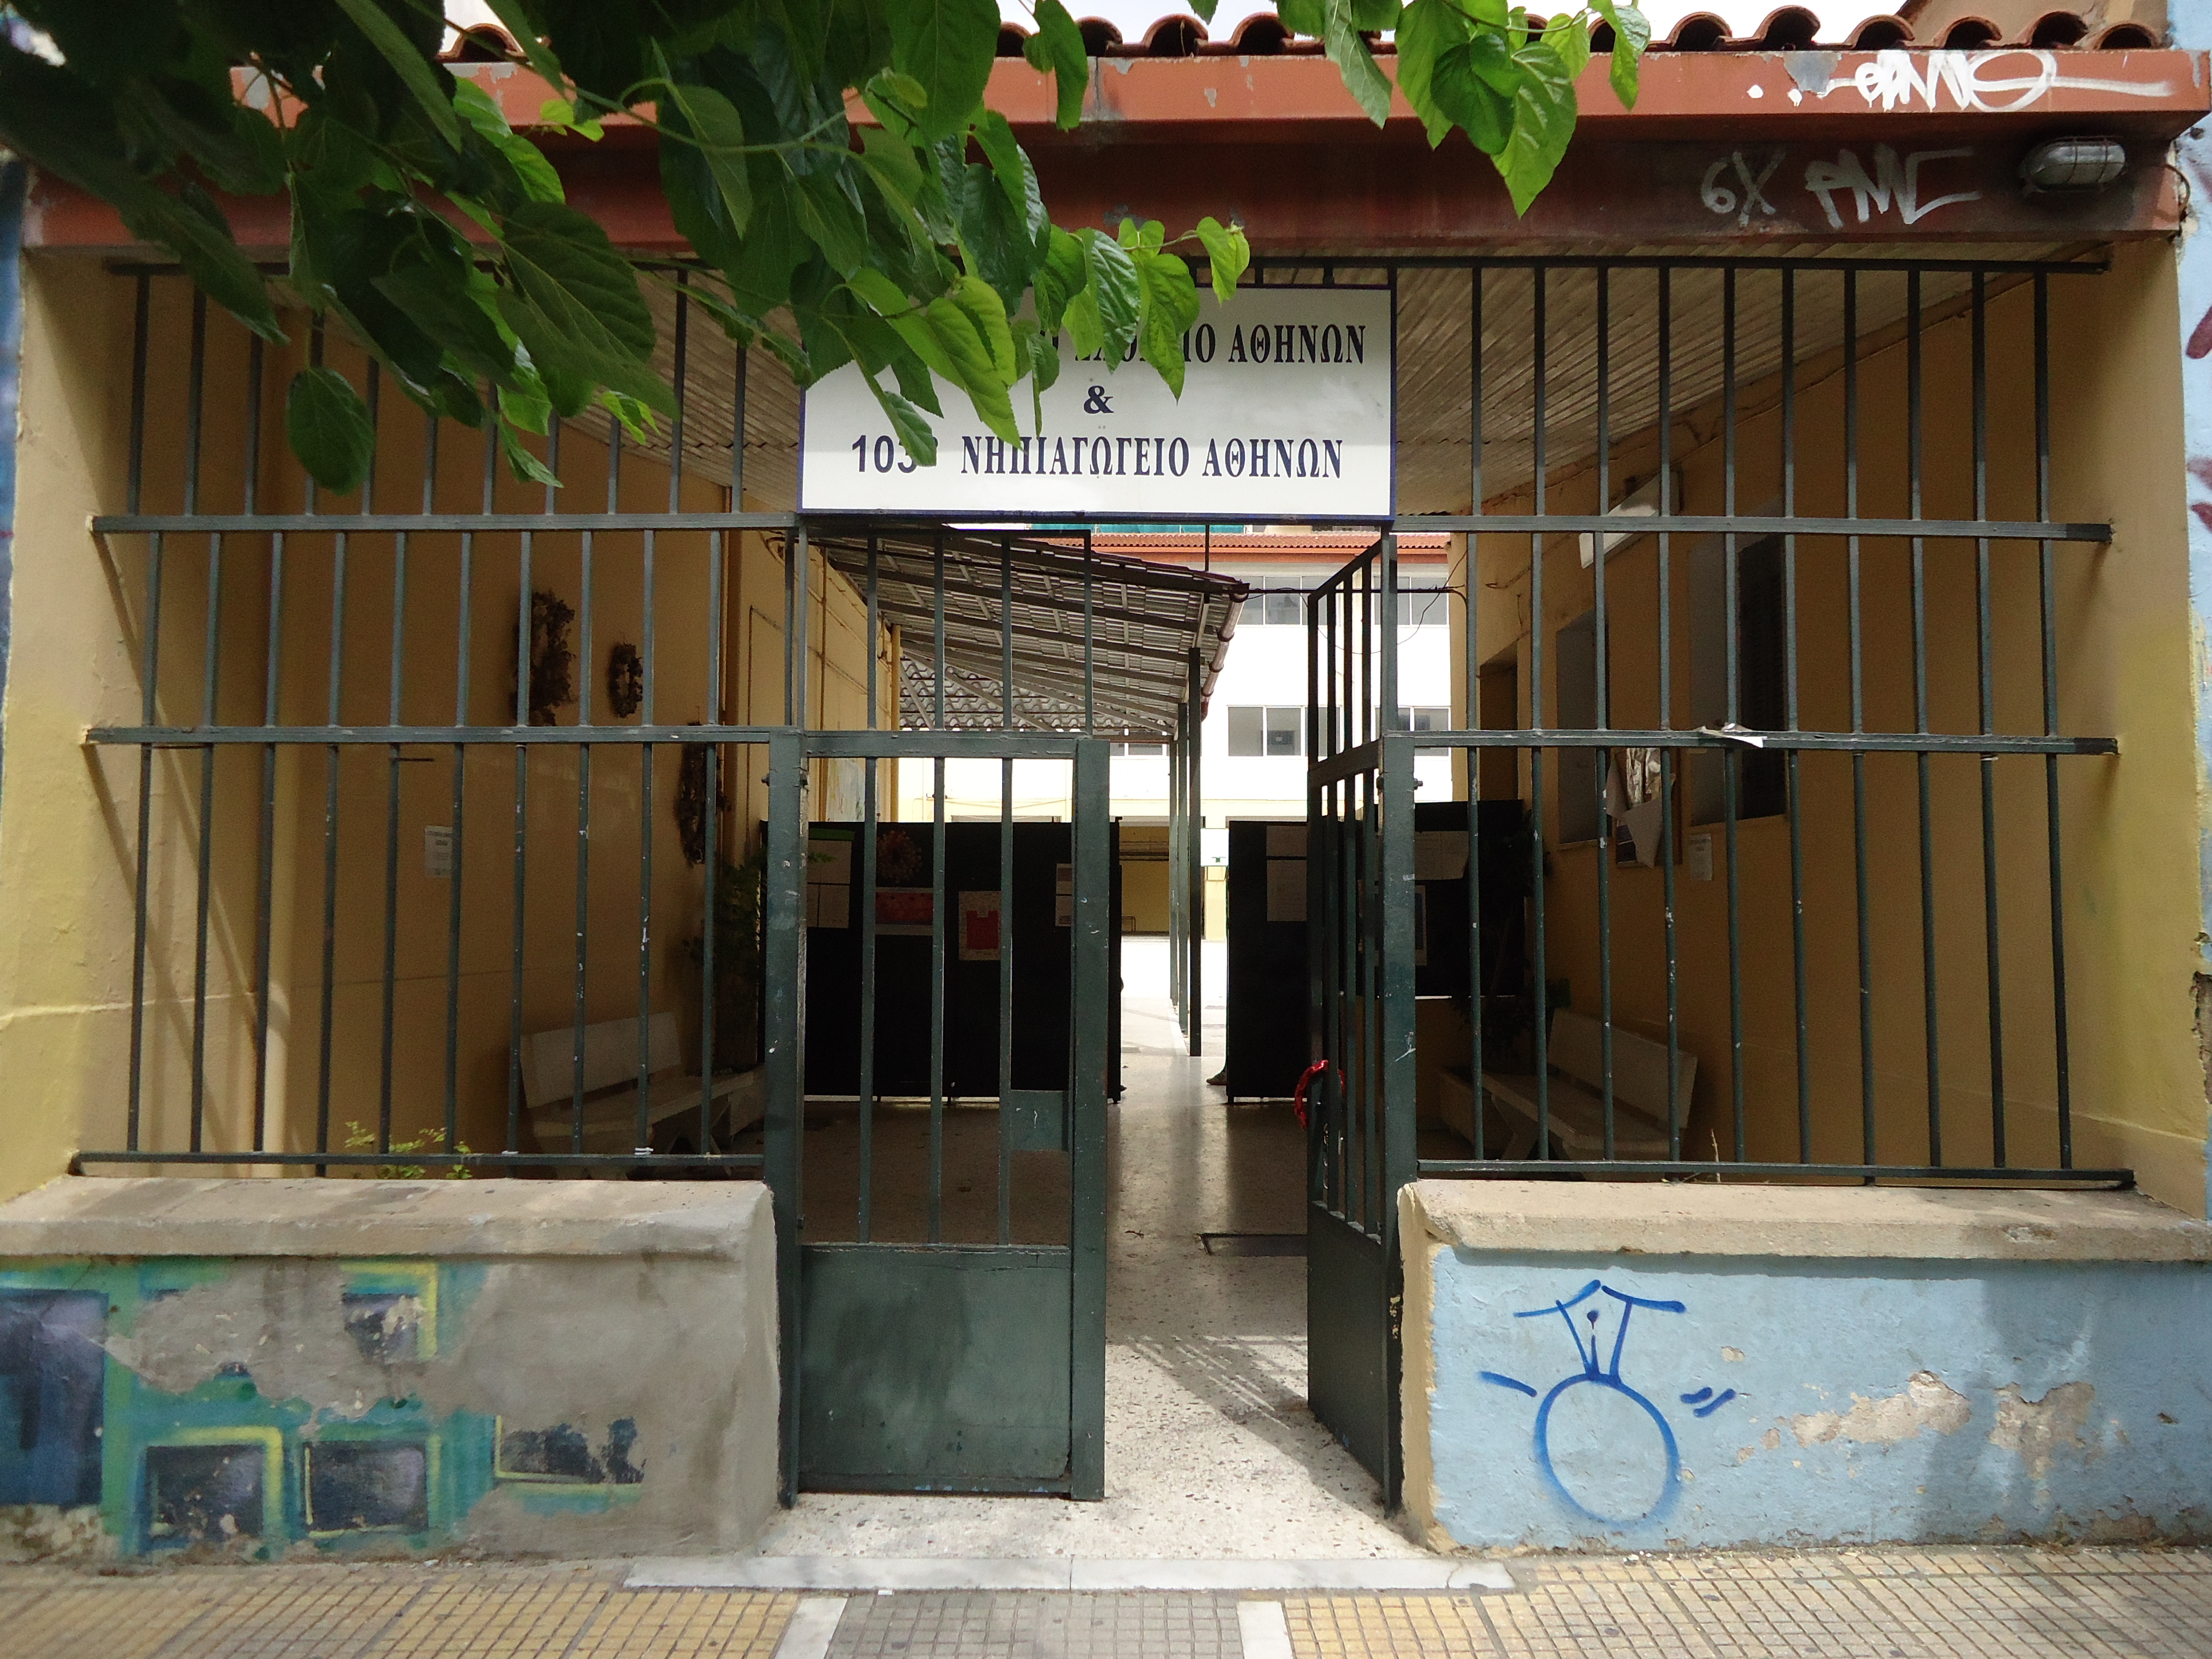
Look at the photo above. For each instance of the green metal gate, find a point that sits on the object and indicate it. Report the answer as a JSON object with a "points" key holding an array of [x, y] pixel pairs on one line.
{"points": [[934, 1364], [1360, 919], [944, 1320]]}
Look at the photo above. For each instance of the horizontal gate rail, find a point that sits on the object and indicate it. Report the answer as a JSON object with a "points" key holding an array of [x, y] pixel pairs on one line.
{"points": [[425, 523]]}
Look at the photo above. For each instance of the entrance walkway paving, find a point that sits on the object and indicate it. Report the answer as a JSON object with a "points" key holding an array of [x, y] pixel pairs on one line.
{"points": [[1874, 1604]]}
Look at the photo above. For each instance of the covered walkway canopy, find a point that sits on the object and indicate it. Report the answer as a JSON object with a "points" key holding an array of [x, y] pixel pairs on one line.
{"points": [[1040, 635]]}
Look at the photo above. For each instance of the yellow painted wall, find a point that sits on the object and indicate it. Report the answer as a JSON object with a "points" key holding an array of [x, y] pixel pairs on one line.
{"points": [[68, 816], [2129, 823]]}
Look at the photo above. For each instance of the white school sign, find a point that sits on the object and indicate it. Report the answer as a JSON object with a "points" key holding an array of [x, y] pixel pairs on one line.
{"points": [[1286, 413]]}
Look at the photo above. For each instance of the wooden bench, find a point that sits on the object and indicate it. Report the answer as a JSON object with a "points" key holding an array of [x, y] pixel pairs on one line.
{"points": [[610, 1082], [1575, 1102]]}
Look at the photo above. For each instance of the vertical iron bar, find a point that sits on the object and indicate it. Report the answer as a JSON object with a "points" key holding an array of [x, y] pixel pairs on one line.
{"points": [[1732, 658], [464, 610], [1090, 931], [272, 661], [392, 760], [1916, 476], [937, 931], [1540, 1035], [1005, 896], [1791, 783], [525, 603], [148, 670], [210, 661], [1603, 690], [1985, 644], [586, 586], [1856, 631], [868, 812], [330, 755], [1473, 713], [2047, 571], [1667, 757]]}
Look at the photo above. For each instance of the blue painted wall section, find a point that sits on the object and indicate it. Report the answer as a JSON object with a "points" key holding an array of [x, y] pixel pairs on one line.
{"points": [[222, 1468], [1713, 1401]]}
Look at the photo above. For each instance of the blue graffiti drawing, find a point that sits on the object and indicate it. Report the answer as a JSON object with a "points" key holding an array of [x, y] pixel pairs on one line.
{"points": [[1605, 1378]]}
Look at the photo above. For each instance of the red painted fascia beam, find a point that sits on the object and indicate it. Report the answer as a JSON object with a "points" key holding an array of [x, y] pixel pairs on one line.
{"points": [[1294, 156]]}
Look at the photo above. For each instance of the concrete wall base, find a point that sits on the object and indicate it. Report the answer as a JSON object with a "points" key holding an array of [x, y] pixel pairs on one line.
{"points": [[1649, 1367], [260, 1369]]}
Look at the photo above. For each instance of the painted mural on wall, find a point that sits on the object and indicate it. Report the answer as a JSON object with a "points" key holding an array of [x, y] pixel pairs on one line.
{"points": [[1591, 1404], [130, 1426]]}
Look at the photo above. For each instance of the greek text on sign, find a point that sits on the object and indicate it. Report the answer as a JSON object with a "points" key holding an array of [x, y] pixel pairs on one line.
{"points": [[1286, 413]]}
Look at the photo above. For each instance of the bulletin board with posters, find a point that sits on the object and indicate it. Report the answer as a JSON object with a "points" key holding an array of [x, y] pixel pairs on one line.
{"points": [[976, 929]]}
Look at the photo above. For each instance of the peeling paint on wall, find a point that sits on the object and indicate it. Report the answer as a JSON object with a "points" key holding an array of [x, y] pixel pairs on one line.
{"points": [[1926, 1403], [2035, 1430]]}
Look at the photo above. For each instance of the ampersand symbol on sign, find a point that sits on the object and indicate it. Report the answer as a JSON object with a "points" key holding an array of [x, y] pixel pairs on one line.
{"points": [[1095, 402]]}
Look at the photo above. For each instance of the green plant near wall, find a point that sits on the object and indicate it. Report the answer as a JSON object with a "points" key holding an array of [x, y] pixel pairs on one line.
{"points": [[918, 246], [359, 1139]]}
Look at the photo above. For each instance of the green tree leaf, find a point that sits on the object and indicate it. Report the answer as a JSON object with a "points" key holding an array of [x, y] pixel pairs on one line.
{"points": [[1543, 124], [1170, 307], [948, 47], [486, 119], [564, 265], [1363, 76], [420, 75], [718, 132], [1058, 46], [908, 425], [1060, 275], [1003, 152], [1428, 29], [524, 464], [1570, 38], [329, 428], [1227, 252], [1114, 295], [1632, 35], [1462, 86]]}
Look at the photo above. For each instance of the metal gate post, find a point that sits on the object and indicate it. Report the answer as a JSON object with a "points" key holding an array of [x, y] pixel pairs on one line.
{"points": [[1194, 851], [1086, 1235], [784, 963], [1399, 1069]]}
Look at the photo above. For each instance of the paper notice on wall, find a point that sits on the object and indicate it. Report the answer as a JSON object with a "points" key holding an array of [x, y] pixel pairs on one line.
{"points": [[829, 856], [1286, 889], [1439, 854], [979, 926], [1063, 896], [829, 905], [904, 911], [1287, 841]]}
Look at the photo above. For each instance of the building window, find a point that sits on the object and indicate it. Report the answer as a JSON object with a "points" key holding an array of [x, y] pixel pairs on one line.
{"points": [[1425, 719], [1425, 607], [1278, 730], [1135, 749], [1279, 609]]}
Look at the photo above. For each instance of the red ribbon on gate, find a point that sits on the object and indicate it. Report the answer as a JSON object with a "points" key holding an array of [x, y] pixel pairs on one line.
{"points": [[1298, 1096]]}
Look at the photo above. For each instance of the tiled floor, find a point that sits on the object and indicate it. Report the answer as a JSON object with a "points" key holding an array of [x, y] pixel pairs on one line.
{"points": [[1888, 1604]]}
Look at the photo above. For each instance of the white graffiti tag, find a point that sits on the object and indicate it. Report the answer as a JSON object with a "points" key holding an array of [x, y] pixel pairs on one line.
{"points": [[1990, 83], [1890, 182], [1722, 199]]}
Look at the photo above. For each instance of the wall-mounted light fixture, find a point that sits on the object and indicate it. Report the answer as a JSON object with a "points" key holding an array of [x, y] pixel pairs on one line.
{"points": [[2073, 164]]}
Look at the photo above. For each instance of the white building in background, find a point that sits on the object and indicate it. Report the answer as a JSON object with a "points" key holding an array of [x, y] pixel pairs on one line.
{"points": [[1253, 760]]}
